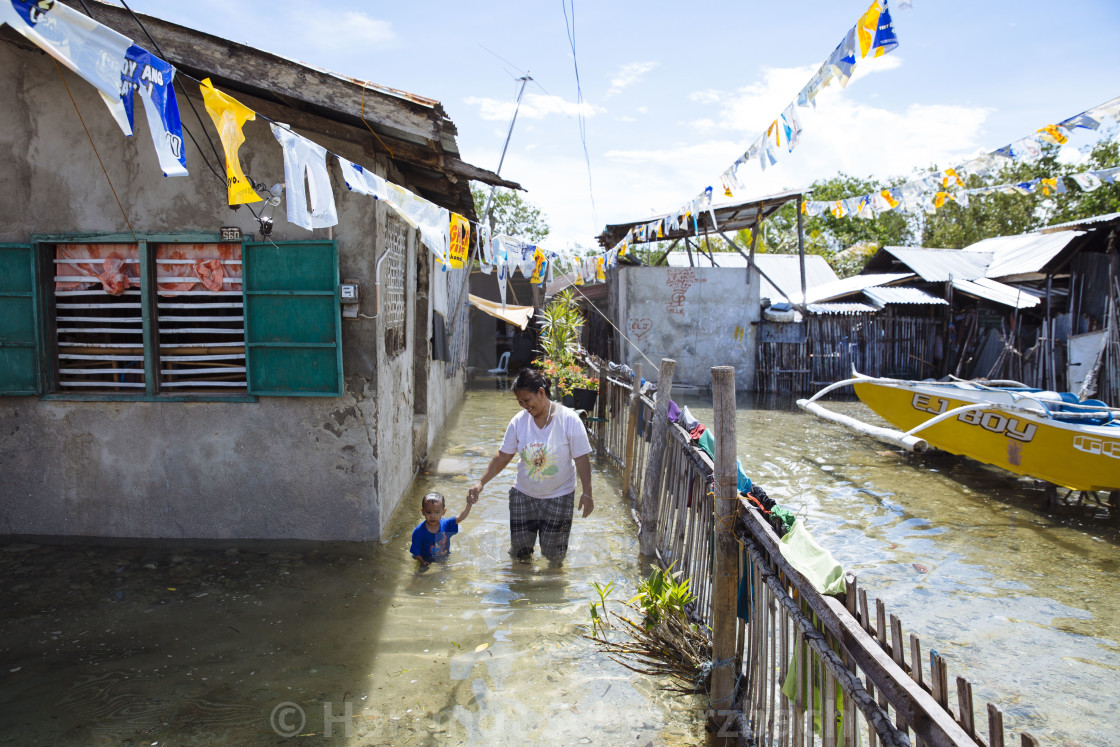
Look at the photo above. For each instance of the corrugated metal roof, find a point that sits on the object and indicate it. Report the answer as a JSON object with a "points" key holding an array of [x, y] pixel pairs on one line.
{"points": [[841, 308], [936, 265], [783, 269], [992, 290], [729, 216], [886, 296], [1023, 255], [1094, 222], [854, 284]]}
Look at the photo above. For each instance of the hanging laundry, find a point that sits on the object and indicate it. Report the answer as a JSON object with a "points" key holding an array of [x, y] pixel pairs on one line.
{"points": [[90, 49], [153, 79], [460, 230], [362, 181], [229, 115], [305, 162]]}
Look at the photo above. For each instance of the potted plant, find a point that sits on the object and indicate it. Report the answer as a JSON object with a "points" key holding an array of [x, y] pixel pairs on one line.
{"points": [[560, 325]]}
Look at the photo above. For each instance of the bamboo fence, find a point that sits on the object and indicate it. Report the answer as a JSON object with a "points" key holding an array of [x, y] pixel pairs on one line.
{"points": [[851, 676]]}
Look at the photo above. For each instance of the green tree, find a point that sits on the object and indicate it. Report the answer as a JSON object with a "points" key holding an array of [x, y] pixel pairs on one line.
{"points": [[954, 226], [513, 215], [1076, 204]]}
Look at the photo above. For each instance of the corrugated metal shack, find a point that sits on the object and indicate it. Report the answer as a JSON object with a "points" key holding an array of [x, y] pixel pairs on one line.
{"points": [[1039, 308]]}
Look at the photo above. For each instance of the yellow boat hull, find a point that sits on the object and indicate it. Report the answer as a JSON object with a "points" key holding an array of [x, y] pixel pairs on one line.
{"points": [[1076, 456]]}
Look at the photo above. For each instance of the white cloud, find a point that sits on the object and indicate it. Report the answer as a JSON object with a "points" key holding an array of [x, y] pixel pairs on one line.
{"points": [[533, 106], [709, 96], [352, 30], [629, 74]]}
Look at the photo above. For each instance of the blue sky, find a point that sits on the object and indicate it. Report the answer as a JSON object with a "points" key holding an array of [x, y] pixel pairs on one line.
{"points": [[674, 92]]}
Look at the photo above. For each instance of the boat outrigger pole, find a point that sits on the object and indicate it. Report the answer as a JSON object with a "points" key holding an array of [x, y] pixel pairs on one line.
{"points": [[886, 435]]}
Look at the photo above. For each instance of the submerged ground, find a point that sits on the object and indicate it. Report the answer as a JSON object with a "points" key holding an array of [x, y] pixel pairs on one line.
{"points": [[190, 644]]}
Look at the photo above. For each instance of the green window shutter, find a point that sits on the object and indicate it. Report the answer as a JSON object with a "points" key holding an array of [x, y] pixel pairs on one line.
{"points": [[293, 324], [19, 321]]}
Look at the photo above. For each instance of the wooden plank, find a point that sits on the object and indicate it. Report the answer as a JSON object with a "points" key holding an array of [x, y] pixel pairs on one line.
{"points": [[647, 537], [995, 726], [933, 724], [964, 703], [1028, 741], [726, 557]]}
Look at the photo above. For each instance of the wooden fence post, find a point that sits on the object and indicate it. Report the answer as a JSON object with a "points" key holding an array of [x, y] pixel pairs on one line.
{"points": [[632, 434], [601, 409], [725, 575], [651, 486]]}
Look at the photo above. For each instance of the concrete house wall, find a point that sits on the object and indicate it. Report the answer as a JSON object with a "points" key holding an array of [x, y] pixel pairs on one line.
{"points": [[698, 316], [280, 467]]}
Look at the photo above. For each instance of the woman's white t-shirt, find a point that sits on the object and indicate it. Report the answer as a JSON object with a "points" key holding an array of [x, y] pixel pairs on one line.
{"points": [[546, 469]]}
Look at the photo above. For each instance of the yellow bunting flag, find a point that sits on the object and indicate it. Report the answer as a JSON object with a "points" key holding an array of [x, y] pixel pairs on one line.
{"points": [[1053, 134], [886, 193], [229, 115], [951, 174], [538, 268], [1048, 185], [939, 199], [804, 207], [866, 26], [599, 274], [460, 241]]}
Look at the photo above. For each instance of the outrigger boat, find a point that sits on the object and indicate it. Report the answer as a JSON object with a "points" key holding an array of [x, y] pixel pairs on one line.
{"points": [[1046, 435]]}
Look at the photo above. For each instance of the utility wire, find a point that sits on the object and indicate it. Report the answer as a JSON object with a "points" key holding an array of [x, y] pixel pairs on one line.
{"points": [[570, 27]]}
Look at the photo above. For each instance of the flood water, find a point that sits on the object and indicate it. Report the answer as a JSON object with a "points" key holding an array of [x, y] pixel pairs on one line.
{"points": [[1024, 604], [265, 643], [261, 643]]}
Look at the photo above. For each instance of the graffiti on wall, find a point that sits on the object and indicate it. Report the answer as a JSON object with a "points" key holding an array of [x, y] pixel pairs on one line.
{"points": [[679, 280]]}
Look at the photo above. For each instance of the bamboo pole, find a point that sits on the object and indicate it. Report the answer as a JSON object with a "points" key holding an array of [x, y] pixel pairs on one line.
{"points": [[647, 537], [724, 577], [601, 410], [632, 434]]}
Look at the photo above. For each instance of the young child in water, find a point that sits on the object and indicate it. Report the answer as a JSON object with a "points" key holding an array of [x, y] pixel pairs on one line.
{"points": [[431, 540]]}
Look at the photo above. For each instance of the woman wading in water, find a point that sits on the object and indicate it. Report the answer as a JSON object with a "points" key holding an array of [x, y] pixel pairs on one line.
{"points": [[553, 447]]}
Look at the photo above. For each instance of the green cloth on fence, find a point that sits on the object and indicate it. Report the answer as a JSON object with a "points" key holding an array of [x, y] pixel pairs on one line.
{"points": [[796, 694], [743, 602], [787, 517], [813, 562], [707, 442]]}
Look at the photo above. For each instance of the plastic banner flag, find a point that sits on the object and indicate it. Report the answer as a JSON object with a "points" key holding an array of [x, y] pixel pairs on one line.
{"points": [[153, 79], [362, 181], [1053, 134], [310, 197], [90, 49], [885, 38], [229, 115], [460, 230]]}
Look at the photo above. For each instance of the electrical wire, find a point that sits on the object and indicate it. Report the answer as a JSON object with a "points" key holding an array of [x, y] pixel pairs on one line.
{"points": [[94, 146], [571, 29]]}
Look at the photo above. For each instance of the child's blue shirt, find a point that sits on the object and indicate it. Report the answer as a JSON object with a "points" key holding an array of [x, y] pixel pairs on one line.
{"points": [[434, 546]]}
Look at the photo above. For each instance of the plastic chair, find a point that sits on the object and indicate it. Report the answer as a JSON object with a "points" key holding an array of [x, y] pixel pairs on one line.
{"points": [[503, 366]]}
